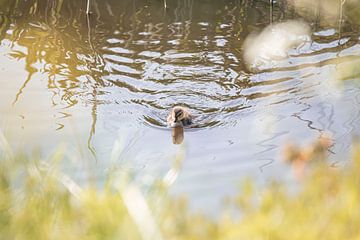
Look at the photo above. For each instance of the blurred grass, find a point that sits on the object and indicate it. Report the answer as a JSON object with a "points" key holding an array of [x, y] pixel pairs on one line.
{"points": [[36, 203]]}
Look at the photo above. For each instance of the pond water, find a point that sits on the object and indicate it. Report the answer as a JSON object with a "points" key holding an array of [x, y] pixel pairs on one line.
{"points": [[102, 87]]}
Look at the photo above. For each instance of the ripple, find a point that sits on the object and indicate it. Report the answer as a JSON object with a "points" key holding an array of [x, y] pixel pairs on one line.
{"points": [[203, 81], [154, 65]]}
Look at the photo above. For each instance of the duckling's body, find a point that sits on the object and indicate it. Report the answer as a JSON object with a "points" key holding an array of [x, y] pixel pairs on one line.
{"points": [[179, 117]]}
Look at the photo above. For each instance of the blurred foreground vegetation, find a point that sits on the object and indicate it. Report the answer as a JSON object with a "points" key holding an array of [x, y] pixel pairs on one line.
{"points": [[37, 202]]}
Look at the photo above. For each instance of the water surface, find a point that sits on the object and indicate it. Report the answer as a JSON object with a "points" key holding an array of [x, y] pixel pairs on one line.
{"points": [[90, 83]]}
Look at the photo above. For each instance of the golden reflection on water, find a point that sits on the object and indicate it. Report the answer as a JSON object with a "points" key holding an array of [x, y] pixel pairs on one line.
{"points": [[50, 65]]}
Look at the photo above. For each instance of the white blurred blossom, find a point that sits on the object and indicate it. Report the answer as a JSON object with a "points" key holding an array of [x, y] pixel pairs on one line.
{"points": [[274, 42]]}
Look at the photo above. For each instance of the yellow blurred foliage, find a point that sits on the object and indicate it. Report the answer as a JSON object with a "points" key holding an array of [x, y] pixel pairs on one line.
{"points": [[34, 204]]}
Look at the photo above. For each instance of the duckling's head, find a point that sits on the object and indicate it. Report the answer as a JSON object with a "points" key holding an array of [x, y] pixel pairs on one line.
{"points": [[179, 117], [178, 114]]}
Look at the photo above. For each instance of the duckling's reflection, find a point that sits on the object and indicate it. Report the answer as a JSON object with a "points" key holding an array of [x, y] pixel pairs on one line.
{"points": [[177, 135]]}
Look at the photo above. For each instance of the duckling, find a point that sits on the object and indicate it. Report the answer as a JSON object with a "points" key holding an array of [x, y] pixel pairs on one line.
{"points": [[179, 117]]}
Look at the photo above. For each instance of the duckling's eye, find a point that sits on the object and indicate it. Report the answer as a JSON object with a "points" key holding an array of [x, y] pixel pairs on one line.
{"points": [[178, 114]]}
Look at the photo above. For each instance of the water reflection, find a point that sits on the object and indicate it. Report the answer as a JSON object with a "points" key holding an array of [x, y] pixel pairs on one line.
{"points": [[177, 134]]}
